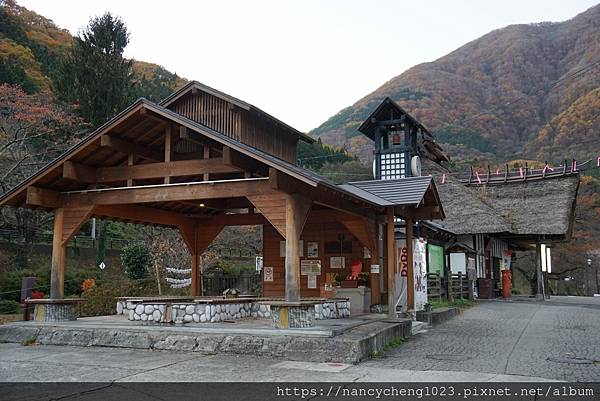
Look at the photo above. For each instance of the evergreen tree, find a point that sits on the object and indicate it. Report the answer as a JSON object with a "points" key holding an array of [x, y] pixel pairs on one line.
{"points": [[94, 74], [96, 77]]}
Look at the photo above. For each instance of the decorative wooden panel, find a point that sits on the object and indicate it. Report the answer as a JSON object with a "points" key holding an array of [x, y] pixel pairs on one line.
{"points": [[74, 218], [249, 127], [273, 208]]}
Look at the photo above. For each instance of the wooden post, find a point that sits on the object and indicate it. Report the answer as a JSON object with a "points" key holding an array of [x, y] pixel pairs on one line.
{"points": [[391, 263], [130, 162], [410, 279], [206, 156], [196, 276], [374, 277], [292, 255], [57, 276], [168, 147]]}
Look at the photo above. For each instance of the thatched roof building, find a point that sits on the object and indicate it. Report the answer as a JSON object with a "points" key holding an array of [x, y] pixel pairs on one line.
{"points": [[468, 212], [543, 207]]}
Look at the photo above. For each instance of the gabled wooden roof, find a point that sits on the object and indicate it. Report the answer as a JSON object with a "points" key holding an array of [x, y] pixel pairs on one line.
{"points": [[195, 85], [144, 113]]}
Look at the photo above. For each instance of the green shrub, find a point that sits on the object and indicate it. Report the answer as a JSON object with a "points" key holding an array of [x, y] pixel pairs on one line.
{"points": [[9, 307], [136, 259], [101, 299]]}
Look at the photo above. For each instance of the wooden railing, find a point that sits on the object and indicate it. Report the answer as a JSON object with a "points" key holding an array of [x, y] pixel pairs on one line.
{"points": [[459, 286], [436, 288]]}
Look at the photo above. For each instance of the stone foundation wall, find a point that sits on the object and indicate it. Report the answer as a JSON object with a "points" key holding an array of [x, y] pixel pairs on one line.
{"points": [[332, 310], [55, 312], [181, 312]]}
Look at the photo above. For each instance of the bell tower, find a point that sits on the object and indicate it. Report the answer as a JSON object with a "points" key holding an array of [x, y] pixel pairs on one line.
{"points": [[400, 142]]}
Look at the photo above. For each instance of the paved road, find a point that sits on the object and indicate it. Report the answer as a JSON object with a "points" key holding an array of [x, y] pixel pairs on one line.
{"points": [[557, 340], [493, 341]]}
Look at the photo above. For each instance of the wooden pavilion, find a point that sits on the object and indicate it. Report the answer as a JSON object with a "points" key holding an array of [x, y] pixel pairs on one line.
{"points": [[202, 160]]}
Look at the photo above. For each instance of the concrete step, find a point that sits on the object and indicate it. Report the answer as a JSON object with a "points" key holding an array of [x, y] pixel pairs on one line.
{"points": [[419, 327]]}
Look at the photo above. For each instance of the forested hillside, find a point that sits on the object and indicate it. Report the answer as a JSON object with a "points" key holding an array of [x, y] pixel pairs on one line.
{"points": [[32, 46], [524, 91]]}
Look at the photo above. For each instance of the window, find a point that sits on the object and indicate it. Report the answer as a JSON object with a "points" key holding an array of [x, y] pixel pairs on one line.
{"points": [[392, 166]]}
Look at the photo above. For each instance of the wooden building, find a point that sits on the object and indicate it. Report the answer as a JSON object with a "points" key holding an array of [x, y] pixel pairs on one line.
{"points": [[202, 160], [487, 214]]}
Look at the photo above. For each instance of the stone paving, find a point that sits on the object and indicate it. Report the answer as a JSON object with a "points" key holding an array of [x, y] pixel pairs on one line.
{"points": [[556, 340], [494, 341]]}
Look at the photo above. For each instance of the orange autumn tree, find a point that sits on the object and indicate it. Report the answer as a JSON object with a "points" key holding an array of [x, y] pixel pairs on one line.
{"points": [[33, 131]]}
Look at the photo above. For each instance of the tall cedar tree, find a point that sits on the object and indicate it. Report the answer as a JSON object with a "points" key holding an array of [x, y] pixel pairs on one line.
{"points": [[94, 74], [97, 78]]}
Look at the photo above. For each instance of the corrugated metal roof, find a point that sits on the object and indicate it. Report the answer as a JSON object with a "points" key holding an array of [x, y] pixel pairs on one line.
{"points": [[404, 191]]}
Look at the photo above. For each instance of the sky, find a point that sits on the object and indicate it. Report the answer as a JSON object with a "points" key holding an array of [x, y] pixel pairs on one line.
{"points": [[301, 61]]}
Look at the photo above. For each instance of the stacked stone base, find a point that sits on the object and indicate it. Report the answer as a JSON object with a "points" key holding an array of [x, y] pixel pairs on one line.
{"points": [[55, 312], [194, 312]]}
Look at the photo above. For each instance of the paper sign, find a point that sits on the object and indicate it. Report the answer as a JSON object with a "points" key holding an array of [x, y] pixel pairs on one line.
{"points": [[312, 281], [268, 273], [375, 269], [312, 250], [337, 262], [310, 267]]}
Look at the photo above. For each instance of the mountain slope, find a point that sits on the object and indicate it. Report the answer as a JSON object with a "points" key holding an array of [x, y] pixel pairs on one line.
{"points": [[31, 47], [499, 96]]}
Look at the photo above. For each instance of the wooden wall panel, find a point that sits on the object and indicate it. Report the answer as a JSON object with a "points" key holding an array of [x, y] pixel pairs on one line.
{"points": [[245, 126], [314, 231]]}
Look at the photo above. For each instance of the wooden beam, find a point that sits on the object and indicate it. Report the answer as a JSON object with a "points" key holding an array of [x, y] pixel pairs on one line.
{"points": [[198, 237], [359, 227], [391, 263], [234, 158], [206, 156], [168, 152], [126, 147], [321, 195], [79, 172], [57, 273], [74, 218], [273, 208], [142, 214], [37, 196], [130, 162], [169, 192], [250, 219], [180, 168], [422, 213]]}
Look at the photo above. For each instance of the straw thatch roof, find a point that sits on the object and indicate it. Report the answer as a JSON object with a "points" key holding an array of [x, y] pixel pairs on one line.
{"points": [[466, 213], [542, 207]]}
